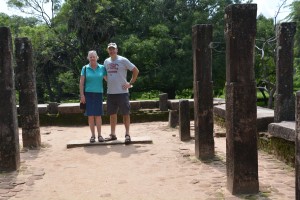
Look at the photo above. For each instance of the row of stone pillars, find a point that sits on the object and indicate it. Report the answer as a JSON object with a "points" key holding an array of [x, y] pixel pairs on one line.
{"points": [[241, 109], [25, 79]]}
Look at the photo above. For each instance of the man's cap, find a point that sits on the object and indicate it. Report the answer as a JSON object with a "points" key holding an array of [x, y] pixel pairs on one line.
{"points": [[114, 45]]}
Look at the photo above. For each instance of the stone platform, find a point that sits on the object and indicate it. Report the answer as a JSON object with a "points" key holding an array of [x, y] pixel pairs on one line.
{"points": [[285, 130], [265, 116], [85, 143]]}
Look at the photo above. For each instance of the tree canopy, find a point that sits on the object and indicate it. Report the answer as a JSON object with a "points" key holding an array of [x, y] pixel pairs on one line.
{"points": [[155, 35]]}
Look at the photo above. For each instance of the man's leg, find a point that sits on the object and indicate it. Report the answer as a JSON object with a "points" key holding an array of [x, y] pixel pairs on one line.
{"points": [[113, 124], [126, 121]]}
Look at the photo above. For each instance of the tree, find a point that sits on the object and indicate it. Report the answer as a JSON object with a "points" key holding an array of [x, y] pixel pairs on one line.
{"points": [[155, 35], [37, 8], [295, 16], [159, 41], [265, 57]]}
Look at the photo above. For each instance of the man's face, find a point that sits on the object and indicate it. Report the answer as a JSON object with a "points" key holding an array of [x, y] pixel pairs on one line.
{"points": [[112, 51]]}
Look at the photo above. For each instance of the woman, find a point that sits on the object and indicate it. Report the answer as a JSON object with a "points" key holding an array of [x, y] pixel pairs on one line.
{"points": [[91, 93]]}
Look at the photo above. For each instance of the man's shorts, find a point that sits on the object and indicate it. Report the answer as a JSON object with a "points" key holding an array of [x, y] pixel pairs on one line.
{"points": [[118, 102]]}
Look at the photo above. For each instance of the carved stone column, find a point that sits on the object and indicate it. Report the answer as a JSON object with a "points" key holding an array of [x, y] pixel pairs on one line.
{"points": [[9, 133], [26, 80], [241, 111], [203, 91], [284, 109]]}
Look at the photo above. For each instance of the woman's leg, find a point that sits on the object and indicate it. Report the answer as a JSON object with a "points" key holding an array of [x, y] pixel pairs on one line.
{"points": [[98, 124], [92, 124]]}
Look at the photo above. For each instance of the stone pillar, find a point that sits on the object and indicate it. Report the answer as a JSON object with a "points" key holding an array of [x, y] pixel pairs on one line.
{"points": [[173, 118], [184, 120], [203, 91], [9, 132], [29, 113], [297, 146], [52, 108], [284, 109], [241, 111], [163, 102]]}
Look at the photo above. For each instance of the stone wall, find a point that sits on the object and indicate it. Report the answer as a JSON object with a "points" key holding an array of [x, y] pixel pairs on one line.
{"points": [[69, 114]]}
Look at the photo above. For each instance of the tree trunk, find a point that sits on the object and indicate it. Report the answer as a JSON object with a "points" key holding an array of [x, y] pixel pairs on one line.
{"points": [[271, 95]]}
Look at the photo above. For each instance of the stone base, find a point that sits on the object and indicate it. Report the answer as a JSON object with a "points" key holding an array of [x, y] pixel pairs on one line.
{"points": [[284, 130], [85, 143], [31, 137]]}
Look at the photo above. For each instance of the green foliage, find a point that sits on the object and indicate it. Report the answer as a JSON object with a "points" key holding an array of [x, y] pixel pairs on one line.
{"points": [[295, 16], [15, 23], [68, 82], [185, 94], [149, 95], [155, 35]]}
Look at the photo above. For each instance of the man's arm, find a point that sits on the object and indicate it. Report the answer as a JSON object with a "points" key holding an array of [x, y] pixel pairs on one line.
{"points": [[135, 73]]}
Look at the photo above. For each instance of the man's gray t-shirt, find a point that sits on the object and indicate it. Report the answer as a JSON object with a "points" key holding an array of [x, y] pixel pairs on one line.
{"points": [[117, 74]]}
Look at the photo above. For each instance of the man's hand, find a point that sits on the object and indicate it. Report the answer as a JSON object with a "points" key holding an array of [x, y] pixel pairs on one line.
{"points": [[127, 85]]}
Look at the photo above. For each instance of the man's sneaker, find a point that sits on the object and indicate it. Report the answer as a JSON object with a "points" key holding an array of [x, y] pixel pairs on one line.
{"points": [[111, 137], [127, 139]]}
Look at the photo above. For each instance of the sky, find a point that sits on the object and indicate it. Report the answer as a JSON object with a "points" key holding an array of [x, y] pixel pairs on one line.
{"points": [[268, 8]]}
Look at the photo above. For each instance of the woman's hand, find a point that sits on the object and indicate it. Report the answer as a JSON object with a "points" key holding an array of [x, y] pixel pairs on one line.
{"points": [[82, 99]]}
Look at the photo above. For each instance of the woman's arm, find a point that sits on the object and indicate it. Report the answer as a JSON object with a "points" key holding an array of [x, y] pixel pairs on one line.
{"points": [[81, 89]]}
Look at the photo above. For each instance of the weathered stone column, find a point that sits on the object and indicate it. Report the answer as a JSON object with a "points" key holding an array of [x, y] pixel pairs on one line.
{"points": [[9, 132], [163, 102], [284, 109], [297, 146], [203, 91], [52, 108], [29, 113], [184, 120], [173, 118], [241, 111]]}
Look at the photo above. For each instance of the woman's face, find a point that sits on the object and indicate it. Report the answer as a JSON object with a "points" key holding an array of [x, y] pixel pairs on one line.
{"points": [[92, 58]]}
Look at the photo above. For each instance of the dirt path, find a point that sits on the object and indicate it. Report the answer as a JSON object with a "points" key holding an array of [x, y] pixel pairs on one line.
{"points": [[166, 169]]}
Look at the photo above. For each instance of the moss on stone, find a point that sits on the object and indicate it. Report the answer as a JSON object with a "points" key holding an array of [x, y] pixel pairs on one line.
{"points": [[283, 150], [219, 121]]}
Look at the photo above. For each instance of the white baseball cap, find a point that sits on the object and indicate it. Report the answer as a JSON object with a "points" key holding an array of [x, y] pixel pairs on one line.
{"points": [[114, 45]]}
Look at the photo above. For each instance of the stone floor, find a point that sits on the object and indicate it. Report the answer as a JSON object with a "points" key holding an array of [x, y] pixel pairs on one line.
{"points": [[166, 169]]}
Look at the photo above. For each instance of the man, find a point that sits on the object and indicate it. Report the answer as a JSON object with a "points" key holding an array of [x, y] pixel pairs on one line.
{"points": [[117, 89]]}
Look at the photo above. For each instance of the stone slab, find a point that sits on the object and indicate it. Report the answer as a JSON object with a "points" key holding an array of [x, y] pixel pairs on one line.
{"points": [[85, 143], [174, 103], [265, 116], [284, 130]]}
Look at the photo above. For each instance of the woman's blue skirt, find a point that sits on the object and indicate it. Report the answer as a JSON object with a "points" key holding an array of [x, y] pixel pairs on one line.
{"points": [[94, 104]]}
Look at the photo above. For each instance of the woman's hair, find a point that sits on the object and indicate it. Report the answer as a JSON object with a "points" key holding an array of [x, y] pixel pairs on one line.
{"points": [[92, 52]]}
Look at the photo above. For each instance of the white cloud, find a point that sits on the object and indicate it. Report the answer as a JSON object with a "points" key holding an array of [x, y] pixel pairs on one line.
{"points": [[269, 8]]}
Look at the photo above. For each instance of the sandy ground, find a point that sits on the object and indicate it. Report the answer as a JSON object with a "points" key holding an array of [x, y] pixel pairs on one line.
{"points": [[166, 169]]}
